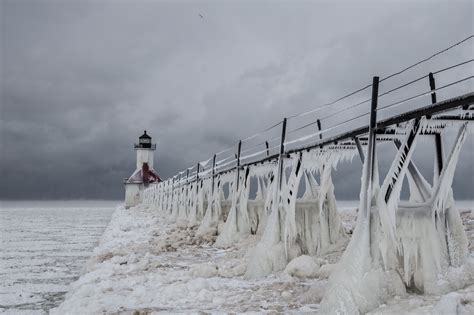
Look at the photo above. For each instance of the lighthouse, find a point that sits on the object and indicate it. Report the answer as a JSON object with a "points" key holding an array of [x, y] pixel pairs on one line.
{"points": [[144, 174]]}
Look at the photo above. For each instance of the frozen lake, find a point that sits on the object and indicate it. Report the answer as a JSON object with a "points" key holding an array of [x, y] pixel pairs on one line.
{"points": [[44, 246]]}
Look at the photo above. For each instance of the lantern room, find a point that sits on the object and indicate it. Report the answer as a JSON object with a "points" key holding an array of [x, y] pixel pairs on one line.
{"points": [[144, 142]]}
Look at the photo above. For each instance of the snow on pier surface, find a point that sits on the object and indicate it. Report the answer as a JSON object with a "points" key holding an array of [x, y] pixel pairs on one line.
{"points": [[44, 246], [143, 263]]}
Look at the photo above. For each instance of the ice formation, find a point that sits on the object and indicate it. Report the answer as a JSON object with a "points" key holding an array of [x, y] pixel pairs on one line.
{"points": [[422, 240], [246, 216], [308, 225], [289, 222], [213, 210], [237, 225], [302, 266]]}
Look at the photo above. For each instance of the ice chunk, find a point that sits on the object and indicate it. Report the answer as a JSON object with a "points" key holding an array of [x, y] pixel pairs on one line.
{"points": [[302, 267], [204, 270]]}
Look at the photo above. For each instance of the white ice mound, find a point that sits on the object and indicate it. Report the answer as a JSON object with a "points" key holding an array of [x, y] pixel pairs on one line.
{"points": [[302, 267], [232, 271], [265, 259], [455, 303], [448, 304], [208, 270]]}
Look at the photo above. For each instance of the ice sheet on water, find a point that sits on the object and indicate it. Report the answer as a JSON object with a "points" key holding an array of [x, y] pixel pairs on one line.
{"points": [[44, 248]]}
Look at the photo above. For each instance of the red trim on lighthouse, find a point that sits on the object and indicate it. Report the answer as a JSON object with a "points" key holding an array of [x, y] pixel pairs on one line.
{"points": [[148, 175]]}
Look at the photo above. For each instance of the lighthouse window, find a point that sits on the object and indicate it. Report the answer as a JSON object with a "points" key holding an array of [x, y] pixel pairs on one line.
{"points": [[145, 141]]}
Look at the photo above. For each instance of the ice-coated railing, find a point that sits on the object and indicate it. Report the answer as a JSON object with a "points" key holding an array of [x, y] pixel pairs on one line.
{"points": [[344, 123]]}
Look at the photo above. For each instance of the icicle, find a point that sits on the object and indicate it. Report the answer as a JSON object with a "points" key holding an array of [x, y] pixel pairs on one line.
{"points": [[271, 186], [311, 186], [392, 185], [289, 195], [237, 224], [443, 188], [269, 254], [213, 213], [259, 195], [327, 207]]}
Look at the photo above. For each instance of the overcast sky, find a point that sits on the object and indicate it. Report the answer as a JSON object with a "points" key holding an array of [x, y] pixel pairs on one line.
{"points": [[81, 80]]}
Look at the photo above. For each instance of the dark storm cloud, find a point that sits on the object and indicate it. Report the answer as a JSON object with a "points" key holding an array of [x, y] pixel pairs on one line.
{"points": [[80, 80]]}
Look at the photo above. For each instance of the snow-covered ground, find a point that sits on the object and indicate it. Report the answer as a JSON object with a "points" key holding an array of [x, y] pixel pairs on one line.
{"points": [[147, 265], [44, 246]]}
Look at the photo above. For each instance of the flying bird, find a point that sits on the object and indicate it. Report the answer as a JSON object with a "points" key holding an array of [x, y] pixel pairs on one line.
{"points": [[201, 16]]}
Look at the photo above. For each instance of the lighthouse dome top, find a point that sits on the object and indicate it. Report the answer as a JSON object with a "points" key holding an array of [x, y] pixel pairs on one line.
{"points": [[144, 135], [144, 142]]}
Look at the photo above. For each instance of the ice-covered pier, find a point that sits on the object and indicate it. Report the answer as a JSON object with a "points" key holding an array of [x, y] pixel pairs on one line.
{"points": [[396, 245], [275, 188]]}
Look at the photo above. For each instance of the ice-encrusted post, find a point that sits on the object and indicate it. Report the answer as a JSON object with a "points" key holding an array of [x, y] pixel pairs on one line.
{"points": [[439, 154], [438, 142], [170, 196], [269, 254], [188, 190], [276, 196], [369, 170], [277, 190], [213, 174], [197, 172], [359, 149], [280, 159], [233, 229], [237, 167], [319, 129], [197, 179], [432, 87], [358, 283]]}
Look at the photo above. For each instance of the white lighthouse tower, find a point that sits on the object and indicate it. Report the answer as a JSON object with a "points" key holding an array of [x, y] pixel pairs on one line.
{"points": [[144, 173]]}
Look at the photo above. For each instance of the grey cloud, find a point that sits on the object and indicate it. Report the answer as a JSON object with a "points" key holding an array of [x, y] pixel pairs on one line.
{"points": [[81, 80]]}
